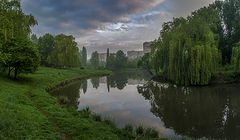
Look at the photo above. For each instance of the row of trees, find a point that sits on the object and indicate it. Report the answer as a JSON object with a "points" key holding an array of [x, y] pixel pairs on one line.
{"points": [[189, 50], [59, 51], [17, 53], [114, 61]]}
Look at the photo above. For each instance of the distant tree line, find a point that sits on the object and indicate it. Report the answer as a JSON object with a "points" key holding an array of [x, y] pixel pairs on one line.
{"points": [[114, 61], [190, 50]]}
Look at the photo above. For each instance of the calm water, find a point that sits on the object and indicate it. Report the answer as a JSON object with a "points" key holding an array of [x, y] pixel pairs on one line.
{"points": [[129, 98]]}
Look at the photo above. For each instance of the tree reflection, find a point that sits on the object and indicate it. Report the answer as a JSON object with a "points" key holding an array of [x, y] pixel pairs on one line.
{"points": [[211, 112], [84, 86], [71, 92], [117, 81], [95, 82], [120, 79]]}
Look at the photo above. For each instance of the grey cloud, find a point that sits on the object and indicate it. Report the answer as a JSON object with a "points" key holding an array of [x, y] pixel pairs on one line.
{"points": [[102, 24], [184, 7], [80, 15]]}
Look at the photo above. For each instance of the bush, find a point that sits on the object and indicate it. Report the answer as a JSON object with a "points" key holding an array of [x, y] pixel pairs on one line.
{"points": [[140, 130], [129, 128], [151, 133]]}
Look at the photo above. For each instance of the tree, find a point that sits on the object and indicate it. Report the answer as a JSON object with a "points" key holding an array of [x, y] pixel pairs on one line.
{"points": [[14, 23], [121, 59], [84, 56], [65, 53], [145, 63], [95, 60], [186, 51], [107, 59], [95, 82], [45, 47], [34, 39], [236, 57], [111, 64], [21, 56], [229, 30]]}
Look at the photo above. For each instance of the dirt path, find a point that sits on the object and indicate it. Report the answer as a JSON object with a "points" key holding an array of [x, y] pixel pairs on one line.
{"points": [[54, 125]]}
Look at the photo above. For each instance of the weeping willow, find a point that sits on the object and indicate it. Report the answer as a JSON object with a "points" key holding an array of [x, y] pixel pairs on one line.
{"points": [[186, 51], [236, 57]]}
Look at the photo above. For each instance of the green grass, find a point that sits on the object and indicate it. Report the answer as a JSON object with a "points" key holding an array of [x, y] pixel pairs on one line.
{"points": [[29, 112]]}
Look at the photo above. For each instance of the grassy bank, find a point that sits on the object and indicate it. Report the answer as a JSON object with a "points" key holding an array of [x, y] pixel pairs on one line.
{"points": [[29, 112]]}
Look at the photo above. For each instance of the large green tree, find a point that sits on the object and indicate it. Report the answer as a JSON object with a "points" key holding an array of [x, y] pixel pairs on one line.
{"points": [[65, 52], [94, 60], [121, 59], [107, 59], [45, 47], [84, 56], [14, 23], [229, 30], [186, 51], [21, 56], [236, 57]]}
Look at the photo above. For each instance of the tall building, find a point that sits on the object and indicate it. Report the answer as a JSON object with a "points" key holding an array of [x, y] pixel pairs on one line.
{"points": [[135, 54], [147, 47], [138, 54], [103, 57]]}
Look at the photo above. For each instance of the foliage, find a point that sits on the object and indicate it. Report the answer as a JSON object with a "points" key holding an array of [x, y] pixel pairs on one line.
{"points": [[65, 53], [107, 59], [45, 47], [111, 61], [229, 29], [145, 62], [94, 60], [236, 57], [118, 61], [121, 59], [34, 39], [132, 63], [84, 56], [14, 23], [187, 50], [21, 56], [140, 130]]}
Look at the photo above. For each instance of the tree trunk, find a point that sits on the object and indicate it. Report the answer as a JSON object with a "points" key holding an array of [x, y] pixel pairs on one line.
{"points": [[15, 73], [9, 71]]}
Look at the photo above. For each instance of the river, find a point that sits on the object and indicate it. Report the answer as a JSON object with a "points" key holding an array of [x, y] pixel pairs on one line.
{"points": [[131, 98]]}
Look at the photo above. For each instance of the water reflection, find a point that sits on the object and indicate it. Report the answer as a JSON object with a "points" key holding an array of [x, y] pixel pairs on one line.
{"points": [[211, 112], [95, 82], [71, 92], [127, 98]]}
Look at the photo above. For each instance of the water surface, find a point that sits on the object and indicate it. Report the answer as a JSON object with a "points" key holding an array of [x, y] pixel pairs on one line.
{"points": [[130, 98]]}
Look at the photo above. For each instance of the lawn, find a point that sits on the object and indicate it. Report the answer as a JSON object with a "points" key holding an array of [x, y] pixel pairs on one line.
{"points": [[29, 112]]}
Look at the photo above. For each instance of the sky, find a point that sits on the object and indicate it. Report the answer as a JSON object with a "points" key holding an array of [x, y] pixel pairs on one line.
{"points": [[101, 24]]}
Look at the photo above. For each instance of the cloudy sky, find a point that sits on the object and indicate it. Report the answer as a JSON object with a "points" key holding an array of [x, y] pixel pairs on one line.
{"points": [[102, 24]]}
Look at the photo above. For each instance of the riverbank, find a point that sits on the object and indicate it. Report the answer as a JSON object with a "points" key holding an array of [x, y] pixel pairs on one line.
{"points": [[221, 77], [29, 112]]}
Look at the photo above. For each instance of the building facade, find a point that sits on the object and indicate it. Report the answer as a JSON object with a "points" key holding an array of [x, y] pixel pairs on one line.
{"points": [[135, 54], [102, 57], [138, 54]]}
